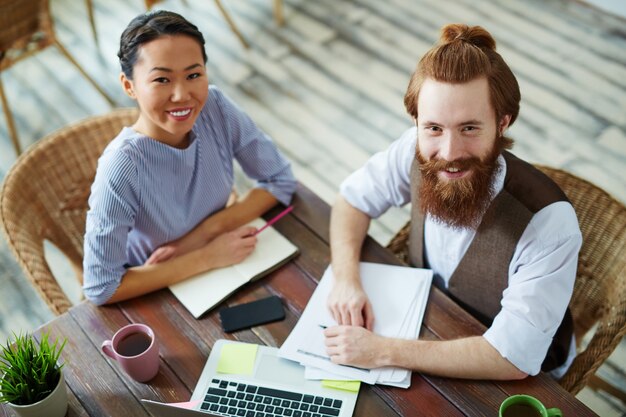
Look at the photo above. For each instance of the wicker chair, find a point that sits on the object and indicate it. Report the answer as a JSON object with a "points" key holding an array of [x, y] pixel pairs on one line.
{"points": [[44, 196], [599, 297], [25, 28]]}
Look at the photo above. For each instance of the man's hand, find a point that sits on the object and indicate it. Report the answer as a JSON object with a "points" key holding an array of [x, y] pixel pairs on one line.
{"points": [[354, 346], [350, 306], [231, 247]]}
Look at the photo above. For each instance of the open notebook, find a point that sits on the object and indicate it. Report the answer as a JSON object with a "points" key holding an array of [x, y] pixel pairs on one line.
{"points": [[204, 291]]}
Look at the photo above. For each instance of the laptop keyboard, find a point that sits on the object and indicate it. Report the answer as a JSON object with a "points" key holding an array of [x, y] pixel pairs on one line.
{"points": [[230, 398]]}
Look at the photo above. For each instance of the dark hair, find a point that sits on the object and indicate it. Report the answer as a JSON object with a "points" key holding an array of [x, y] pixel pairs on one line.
{"points": [[148, 27], [463, 54]]}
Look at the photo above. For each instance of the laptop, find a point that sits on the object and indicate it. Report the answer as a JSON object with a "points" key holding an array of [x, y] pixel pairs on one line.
{"points": [[277, 387]]}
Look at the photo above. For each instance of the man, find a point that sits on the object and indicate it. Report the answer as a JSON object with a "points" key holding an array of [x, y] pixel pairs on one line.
{"points": [[500, 237]]}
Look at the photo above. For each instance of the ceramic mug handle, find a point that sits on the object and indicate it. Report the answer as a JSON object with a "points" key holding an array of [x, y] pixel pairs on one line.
{"points": [[554, 412], [107, 348]]}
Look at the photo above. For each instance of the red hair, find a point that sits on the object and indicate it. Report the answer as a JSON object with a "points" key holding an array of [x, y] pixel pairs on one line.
{"points": [[463, 54]]}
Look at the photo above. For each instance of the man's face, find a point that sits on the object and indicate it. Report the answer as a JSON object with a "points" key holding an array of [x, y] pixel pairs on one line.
{"points": [[457, 150]]}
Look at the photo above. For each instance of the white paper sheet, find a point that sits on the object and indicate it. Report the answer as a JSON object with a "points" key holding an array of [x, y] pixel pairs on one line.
{"points": [[398, 296]]}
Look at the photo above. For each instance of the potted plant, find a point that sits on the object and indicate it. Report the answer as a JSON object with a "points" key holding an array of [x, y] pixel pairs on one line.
{"points": [[32, 381]]}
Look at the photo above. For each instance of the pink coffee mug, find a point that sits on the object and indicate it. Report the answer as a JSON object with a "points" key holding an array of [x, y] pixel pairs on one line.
{"points": [[135, 348]]}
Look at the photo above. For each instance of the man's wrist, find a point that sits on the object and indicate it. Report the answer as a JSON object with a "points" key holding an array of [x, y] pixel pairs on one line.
{"points": [[400, 352], [387, 352], [346, 272]]}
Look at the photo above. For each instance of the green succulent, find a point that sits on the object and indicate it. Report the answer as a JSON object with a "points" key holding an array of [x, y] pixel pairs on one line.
{"points": [[30, 371]]}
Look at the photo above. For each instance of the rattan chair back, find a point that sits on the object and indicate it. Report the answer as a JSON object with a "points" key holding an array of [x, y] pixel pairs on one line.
{"points": [[44, 197], [599, 299]]}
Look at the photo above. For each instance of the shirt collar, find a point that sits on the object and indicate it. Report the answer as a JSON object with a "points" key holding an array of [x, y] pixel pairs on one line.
{"points": [[497, 183]]}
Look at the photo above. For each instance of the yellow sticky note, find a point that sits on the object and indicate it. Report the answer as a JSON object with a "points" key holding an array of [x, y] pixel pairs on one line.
{"points": [[237, 358], [352, 386]]}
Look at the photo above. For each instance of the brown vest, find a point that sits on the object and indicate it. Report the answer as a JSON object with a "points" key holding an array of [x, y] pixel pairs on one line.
{"points": [[482, 275]]}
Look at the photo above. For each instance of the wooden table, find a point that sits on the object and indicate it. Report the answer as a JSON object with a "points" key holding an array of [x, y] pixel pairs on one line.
{"points": [[98, 387]]}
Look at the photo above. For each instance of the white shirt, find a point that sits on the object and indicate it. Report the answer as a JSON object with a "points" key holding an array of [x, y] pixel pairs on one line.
{"points": [[541, 273]]}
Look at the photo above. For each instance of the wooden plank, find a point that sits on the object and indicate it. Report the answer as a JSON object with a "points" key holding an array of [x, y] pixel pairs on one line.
{"points": [[185, 351], [100, 324], [347, 73], [90, 377], [581, 47], [592, 29], [369, 113]]}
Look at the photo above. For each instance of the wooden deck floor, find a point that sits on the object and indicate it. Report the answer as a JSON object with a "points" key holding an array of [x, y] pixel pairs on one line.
{"points": [[328, 87]]}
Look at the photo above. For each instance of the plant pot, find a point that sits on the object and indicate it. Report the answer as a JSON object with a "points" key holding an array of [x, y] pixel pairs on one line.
{"points": [[54, 405]]}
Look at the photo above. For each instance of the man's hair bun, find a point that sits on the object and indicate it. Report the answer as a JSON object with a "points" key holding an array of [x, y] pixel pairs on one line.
{"points": [[475, 35]]}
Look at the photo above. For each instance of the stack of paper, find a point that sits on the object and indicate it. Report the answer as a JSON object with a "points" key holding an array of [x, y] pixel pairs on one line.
{"points": [[398, 296]]}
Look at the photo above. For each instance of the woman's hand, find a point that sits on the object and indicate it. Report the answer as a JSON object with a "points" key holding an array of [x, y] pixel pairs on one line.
{"points": [[163, 253], [174, 248], [231, 247], [349, 305]]}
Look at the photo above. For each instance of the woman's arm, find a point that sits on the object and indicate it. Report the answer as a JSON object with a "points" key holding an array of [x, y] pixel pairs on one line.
{"points": [[227, 249], [253, 204]]}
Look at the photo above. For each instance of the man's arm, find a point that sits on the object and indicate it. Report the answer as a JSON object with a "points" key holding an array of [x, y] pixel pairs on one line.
{"points": [[381, 183], [348, 302], [471, 357]]}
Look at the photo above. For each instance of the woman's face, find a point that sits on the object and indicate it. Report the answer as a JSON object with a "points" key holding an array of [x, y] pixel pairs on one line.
{"points": [[170, 85]]}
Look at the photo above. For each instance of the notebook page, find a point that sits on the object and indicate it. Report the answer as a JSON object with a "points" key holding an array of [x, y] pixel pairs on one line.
{"points": [[203, 291], [198, 294]]}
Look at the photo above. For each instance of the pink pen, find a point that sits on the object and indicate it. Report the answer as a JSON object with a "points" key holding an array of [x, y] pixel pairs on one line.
{"points": [[274, 220]]}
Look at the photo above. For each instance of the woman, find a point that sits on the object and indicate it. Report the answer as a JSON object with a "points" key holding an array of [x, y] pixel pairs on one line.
{"points": [[158, 210]]}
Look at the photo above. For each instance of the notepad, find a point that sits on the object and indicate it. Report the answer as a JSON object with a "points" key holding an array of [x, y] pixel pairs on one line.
{"points": [[237, 359], [352, 386], [204, 291]]}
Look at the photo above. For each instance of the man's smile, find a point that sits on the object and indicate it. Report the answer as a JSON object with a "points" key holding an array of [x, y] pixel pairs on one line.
{"points": [[453, 173]]}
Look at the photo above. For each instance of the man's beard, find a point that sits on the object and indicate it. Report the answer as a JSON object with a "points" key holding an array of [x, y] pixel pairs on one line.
{"points": [[458, 203]]}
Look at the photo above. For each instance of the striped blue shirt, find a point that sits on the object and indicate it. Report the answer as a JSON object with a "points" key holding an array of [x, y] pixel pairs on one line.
{"points": [[147, 193]]}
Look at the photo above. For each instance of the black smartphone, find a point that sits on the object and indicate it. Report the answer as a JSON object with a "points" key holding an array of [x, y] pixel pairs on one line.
{"points": [[250, 314]]}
